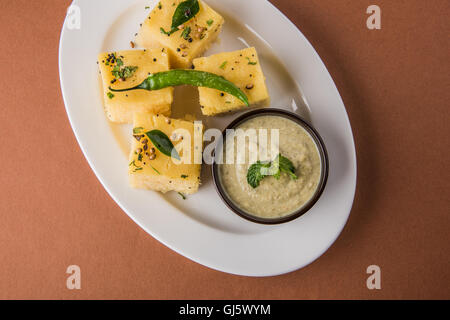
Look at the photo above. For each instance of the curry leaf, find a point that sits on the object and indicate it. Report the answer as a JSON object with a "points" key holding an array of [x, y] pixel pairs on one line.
{"points": [[137, 130], [185, 11], [186, 32], [162, 142]]}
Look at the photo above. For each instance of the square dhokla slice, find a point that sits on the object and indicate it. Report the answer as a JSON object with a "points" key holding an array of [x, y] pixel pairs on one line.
{"points": [[120, 106], [241, 67], [151, 169], [192, 38]]}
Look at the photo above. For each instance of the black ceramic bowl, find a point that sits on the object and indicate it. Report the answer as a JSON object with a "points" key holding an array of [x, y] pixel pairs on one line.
{"points": [[323, 160]]}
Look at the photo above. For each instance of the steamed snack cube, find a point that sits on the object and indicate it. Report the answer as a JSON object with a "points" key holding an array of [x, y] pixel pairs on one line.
{"points": [[204, 28], [165, 173], [120, 106], [240, 67]]}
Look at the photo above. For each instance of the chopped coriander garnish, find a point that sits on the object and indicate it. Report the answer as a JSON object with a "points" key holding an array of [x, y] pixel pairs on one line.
{"points": [[147, 7], [159, 6], [164, 31], [140, 157], [183, 176], [182, 195], [128, 71], [137, 130], [223, 65], [120, 72], [186, 32], [132, 163], [110, 95], [250, 62], [155, 170], [210, 22]]}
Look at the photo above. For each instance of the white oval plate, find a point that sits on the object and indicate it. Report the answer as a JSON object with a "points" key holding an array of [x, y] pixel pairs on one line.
{"points": [[202, 228]]}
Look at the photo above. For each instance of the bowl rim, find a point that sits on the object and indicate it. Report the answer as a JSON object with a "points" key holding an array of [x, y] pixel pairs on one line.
{"points": [[323, 161]]}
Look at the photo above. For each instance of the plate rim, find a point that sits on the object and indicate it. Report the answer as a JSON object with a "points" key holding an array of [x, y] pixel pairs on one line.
{"points": [[167, 243]]}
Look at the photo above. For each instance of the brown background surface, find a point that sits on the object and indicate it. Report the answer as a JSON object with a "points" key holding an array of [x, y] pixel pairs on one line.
{"points": [[395, 85]]}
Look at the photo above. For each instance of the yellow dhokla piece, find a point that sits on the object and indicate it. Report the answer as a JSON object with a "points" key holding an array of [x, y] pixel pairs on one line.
{"points": [[120, 106], [183, 46], [152, 169], [241, 67]]}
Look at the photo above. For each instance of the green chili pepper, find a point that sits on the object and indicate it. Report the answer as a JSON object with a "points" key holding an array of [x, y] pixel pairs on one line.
{"points": [[185, 11], [178, 77]]}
